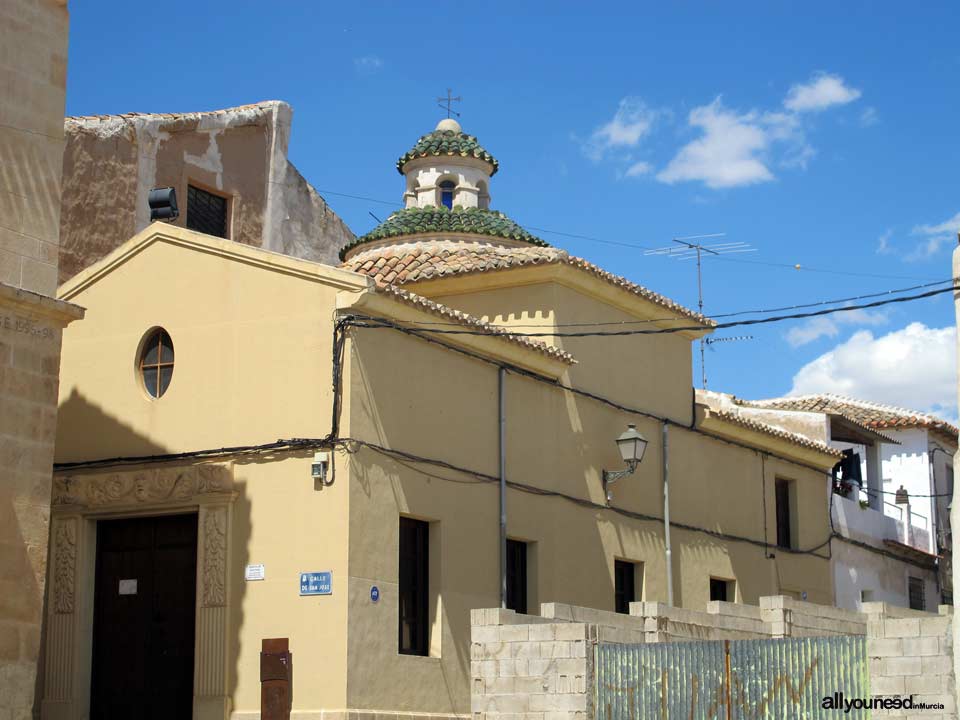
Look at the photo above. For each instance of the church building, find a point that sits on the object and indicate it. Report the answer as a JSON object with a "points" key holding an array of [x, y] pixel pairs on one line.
{"points": [[344, 461]]}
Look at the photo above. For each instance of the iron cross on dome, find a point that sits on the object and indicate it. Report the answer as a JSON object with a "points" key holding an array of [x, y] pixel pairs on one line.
{"points": [[446, 102]]}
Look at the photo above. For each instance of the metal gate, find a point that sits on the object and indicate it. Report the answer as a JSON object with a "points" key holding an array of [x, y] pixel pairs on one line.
{"points": [[729, 679]]}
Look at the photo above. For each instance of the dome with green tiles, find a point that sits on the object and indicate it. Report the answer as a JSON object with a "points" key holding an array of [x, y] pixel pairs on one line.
{"points": [[448, 140], [458, 221]]}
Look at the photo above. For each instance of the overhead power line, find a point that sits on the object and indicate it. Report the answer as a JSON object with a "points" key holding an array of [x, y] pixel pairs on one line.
{"points": [[758, 311], [662, 331], [636, 246]]}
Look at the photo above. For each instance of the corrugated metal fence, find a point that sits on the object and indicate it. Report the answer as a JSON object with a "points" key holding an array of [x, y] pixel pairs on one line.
{"points": [[729, 680]]}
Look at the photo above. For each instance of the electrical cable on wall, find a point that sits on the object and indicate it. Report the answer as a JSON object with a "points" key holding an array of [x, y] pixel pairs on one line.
{"points": [[333, 441]]}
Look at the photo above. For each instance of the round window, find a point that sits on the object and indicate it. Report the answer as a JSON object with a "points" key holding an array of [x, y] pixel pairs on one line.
{"points": [[156, 362]]}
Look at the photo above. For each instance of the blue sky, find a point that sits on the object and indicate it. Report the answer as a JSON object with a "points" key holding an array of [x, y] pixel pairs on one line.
{"points": [[823, 134]]}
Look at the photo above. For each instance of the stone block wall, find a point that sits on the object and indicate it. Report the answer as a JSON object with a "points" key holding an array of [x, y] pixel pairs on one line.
{"points": [[911, 653], [535, 670], [541, 667], [33, 74]]}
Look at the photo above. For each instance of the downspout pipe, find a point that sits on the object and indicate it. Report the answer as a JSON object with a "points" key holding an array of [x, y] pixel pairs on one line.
{"points": [[501, 409], [666, 514]]}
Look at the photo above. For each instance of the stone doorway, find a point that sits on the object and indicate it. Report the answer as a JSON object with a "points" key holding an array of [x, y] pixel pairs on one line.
{"points": [[143, 618]]}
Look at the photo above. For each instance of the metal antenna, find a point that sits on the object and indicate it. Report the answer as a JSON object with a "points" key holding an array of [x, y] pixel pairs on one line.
{"points": [[445, 103], [688, 250]]}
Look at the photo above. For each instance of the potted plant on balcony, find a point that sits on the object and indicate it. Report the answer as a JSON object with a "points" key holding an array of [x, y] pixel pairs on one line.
{"points": [[843, 488]]}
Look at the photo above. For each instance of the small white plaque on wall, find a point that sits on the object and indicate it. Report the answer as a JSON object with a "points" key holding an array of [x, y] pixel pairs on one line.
{"points": [[128, 587], [254, 572]]}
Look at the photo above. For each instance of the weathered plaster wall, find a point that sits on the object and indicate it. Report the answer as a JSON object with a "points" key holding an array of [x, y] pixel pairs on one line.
{"points": [[111, 163]]}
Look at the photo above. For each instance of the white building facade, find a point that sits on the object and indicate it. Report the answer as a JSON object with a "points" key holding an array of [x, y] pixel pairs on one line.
{"points": [[892, 529]]}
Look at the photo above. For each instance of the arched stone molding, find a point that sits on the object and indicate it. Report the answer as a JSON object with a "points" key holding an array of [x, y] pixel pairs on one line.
{"points": [[79, 500]]}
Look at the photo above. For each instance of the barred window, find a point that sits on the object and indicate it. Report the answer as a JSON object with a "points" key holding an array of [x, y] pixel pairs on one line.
{"points": [[206, 212]]}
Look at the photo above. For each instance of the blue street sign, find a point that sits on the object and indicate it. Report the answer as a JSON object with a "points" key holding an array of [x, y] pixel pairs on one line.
{"points": [[316, 583], [374, 593]]}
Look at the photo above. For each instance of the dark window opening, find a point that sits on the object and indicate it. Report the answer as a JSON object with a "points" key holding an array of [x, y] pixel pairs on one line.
{"points": [[156, 363], [918, 600], [783, 514], [625, 585], [722, 590], [206, 212], [517, 576], [446, 193], [414, 586]]}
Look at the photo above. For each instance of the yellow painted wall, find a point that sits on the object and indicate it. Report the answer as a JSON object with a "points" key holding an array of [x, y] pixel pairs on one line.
{"points": [[646, 371], [252, 364], [423, 399], [253, 350], [253, 361]]}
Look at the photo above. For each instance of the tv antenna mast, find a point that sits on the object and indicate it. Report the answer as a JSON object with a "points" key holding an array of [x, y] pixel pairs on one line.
{"points": [[692, 248]]}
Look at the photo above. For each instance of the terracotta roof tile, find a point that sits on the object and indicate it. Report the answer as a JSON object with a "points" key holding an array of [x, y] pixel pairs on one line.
{"points": [[439, 257], [873, 415], [795, 438]]}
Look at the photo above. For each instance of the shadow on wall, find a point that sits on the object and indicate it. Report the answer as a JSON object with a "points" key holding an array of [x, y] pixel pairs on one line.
{"points": [[86, 432], [80, 419]]}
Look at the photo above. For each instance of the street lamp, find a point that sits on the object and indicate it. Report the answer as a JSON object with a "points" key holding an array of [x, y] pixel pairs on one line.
{"points": [[632, 446]]}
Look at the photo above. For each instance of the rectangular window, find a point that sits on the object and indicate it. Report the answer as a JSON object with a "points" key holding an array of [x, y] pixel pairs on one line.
{"points": [[517, 576], [723, 590], [625, 585], [206, 212], [414, 586], [915, 588], [784, 531]]}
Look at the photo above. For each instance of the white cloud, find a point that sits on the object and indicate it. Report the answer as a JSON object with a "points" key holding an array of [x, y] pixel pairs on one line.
{"points": [[820, 92], [639, 168], [933, 237], [883, 243], [915, 367], [829, 326], [630, 124], [947, 226], [367, 63], [869, 117], [729, 153]]}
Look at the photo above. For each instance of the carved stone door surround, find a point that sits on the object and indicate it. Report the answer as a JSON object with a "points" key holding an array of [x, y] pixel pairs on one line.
{"points": [[79, 500]]}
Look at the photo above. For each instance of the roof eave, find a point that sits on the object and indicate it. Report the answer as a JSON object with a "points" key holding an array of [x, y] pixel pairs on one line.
{"points": [[497, 346]]}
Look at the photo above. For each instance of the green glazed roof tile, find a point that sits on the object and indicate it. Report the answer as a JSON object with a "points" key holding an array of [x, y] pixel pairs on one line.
{"points": [[469, 221], [447, 143]]}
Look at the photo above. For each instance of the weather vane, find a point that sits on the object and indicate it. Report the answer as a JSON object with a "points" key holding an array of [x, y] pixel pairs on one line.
{"points": [[445, 103]]}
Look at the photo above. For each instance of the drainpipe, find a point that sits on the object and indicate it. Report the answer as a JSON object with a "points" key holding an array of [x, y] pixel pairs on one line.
{"points": [[501, 381], [666, 517]]}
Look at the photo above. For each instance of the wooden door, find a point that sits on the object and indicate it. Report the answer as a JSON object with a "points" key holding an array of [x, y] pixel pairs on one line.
{"points": [[144, 616]]}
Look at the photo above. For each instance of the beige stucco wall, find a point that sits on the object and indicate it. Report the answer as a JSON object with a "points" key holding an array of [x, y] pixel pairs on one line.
{"points": [[253, 346], [429, 401], [253, 350], [111, 163], [647, 371], [252, 334]]}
